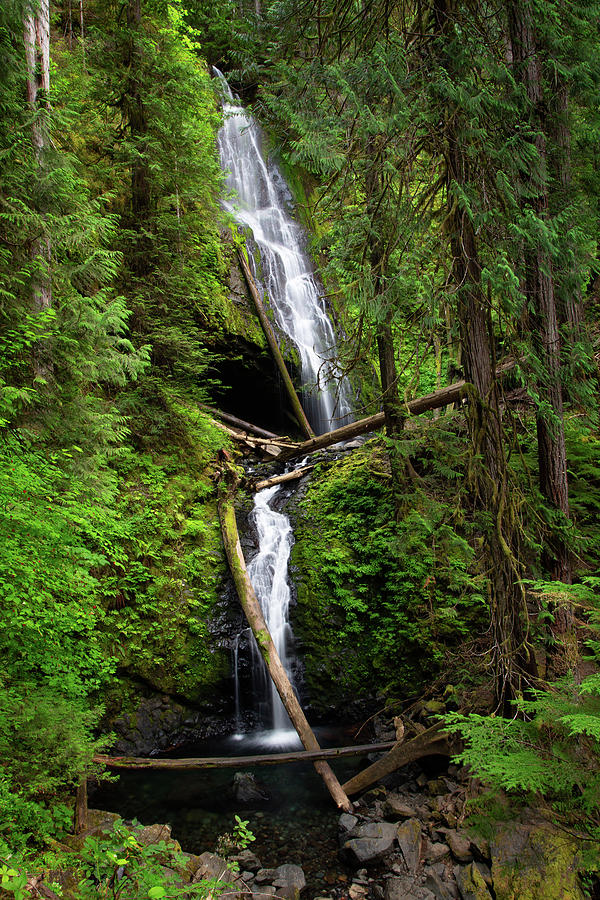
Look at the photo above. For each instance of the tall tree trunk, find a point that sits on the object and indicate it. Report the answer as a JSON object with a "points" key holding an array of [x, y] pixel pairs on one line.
{"points": [[513, 658], [138, 126], [539, 289], [36, 36]]}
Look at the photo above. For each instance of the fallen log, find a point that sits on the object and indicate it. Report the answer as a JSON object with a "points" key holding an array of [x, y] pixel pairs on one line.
{"points": [[274, 346], [429, 743], [443, 397], [256, 620], [280, 479], [239, 423], [239, 762]]}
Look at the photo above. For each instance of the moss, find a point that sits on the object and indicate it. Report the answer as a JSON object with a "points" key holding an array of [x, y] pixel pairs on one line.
{"points": [[544, 866], [380, 602]]}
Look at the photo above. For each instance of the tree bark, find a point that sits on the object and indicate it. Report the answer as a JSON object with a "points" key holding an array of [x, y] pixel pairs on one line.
{"points": [[81, 807], [277, 355], [135, 114], [36, 36], [281, 479], [450, 394], [240, 762], [267, 648], [430, 743], [539, 289]]}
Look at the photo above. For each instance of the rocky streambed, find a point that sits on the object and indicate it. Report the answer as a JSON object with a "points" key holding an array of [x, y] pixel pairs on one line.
{"points": [[405, 841]]}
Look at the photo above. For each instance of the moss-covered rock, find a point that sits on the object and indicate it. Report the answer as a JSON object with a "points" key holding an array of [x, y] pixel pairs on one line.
{"points": [[535, 863]]}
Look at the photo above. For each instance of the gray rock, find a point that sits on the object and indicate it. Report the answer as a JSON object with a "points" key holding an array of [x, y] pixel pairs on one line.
{"points": [[263, 876], [213, 868], [440, 889], [248, 860], [460, 845], [371, 841], [347, 822], [396, 805], [266, 890], [404, 887], [409, 838], [436, 851], [289, 881], [247, 790]]}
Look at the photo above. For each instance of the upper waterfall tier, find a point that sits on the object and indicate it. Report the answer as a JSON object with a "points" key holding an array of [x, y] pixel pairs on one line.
{"points": [[287, 279]]}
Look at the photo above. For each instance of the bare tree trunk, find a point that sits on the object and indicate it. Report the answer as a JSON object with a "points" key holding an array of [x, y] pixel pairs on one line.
{"points": [[81, 33], [539, 288], [36, 36]]}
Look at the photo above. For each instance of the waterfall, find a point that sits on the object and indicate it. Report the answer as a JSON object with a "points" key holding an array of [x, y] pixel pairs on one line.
{"points": [[286, 277], [259, 201]]}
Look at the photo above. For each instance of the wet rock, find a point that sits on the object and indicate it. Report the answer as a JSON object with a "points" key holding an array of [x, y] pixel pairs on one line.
{"points": [[358, 891], [289, 881], [404, 887], [460, 845], [247, 790], [471, 884], [409, 839], [531, 862], [371, 841]]}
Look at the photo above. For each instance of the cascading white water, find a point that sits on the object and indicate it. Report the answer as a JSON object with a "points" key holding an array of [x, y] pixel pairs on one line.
{"points": [[289, 284], [268, 574]]}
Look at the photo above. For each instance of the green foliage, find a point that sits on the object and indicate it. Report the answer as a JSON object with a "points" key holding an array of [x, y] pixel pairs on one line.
{"points": [[380, 601], [551, 748], [117, 866]]}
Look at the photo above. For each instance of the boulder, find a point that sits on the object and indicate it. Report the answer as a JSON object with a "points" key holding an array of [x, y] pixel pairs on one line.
{"points": [[409, 838], [396, 805], [440, 889], [247, 790], [370, 842], [460, 845], [532, 862], [404, 887], [289, 881], [471, 884], [214, 868]]}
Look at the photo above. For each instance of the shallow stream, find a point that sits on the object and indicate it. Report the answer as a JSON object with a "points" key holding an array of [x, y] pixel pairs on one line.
{"points": [[297, 824]]}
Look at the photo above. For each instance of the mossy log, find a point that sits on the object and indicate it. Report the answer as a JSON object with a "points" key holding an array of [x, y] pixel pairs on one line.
{"points": [[81, 807], [281, 479], [239, 762], [256, 620], [274, 346], [443, 397], [239, 423], [432, 742]]}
